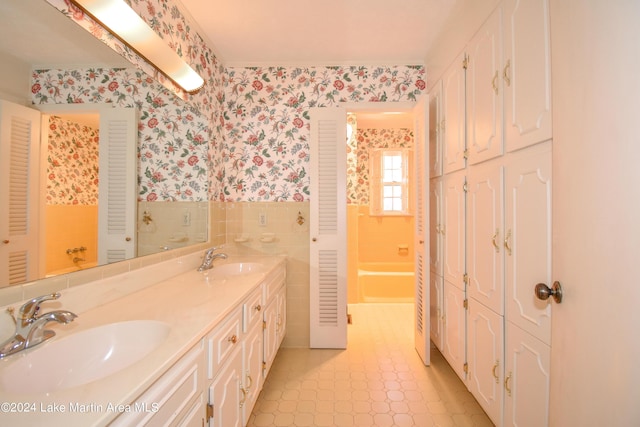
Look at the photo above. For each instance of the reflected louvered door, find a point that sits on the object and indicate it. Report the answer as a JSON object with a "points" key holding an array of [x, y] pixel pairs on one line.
{"points": [[421, 221], [328, 229], [19, 173], [118, 181]]}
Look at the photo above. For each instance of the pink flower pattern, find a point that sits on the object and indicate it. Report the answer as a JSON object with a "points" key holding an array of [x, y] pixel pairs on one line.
{"points": [[240, 115]]}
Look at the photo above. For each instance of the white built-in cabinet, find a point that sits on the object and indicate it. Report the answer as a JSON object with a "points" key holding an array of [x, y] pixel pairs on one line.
{"points": [[453, 121], [218, 381], [491, 214]]}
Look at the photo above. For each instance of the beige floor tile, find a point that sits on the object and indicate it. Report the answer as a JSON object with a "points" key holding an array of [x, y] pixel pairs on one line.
{"points": [[379, 381]]}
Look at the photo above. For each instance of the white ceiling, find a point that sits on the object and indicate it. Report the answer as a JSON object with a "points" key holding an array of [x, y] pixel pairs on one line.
{"points": [[320, 32]]}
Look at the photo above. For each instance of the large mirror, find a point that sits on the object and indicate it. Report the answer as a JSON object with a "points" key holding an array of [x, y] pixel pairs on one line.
{"points": [[169, 207]]}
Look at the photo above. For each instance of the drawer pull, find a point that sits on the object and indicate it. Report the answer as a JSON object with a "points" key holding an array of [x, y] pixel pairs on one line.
{"points": [[257, 307], [249, 381], [233, 339]]}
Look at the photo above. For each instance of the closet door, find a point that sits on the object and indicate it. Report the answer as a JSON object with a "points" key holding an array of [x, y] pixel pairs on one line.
{"points": [[484, 91], [422, 232], [117, 197], [527, 73], [327, 226], [19, 179]]}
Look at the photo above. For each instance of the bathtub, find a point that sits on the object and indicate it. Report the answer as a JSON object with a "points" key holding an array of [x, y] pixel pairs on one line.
{"points": [[386, 282]]}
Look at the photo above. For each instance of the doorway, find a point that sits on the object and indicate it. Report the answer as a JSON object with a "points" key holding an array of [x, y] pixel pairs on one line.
{"points": [[380, 253]]}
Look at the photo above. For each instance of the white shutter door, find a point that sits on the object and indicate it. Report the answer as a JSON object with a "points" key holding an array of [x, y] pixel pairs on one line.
{"points": [[19, 173], [118, 183], [328, 228], [422, 262]]}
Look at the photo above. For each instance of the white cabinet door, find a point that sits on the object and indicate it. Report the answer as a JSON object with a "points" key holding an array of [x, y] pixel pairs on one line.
{"points": [[436, 225], [225, 394], [436, 130], [436, 311], [454, 346], [527, 376], [485, 355], [485, 254], [252, 370], [484, 91], [528, 238], [453, 105], [527, 73], [453, 228]]}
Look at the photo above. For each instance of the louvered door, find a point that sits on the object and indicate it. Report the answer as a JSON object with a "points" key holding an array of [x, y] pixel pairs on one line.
{"points": [[118, 180], [422, 294], [19, 155], [328, 229]]}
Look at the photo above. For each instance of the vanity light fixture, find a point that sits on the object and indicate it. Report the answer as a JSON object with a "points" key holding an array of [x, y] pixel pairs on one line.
{"points": [[125, 24]]}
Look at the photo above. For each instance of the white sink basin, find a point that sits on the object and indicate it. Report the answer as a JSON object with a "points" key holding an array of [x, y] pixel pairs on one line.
{"points": [[82, 357], [237, 268]]}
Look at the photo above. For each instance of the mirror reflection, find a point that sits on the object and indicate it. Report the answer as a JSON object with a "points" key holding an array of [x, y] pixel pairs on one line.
{"points": [[52, 65]]}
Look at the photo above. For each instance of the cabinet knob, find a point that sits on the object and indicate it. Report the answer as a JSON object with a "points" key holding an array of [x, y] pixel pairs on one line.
{"points": [[233, 339], [5, 241], [257, 307]]}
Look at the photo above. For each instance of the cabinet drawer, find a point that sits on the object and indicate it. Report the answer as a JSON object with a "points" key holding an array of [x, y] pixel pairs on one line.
{"points": [[223, 340], [252, 310], [171, 397]]}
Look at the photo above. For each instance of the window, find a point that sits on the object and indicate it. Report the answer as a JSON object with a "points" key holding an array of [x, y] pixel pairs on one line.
{"points": [[389, 183]]}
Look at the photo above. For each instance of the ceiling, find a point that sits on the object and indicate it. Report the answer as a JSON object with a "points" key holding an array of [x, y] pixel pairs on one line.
{"points": [[326, 32]]}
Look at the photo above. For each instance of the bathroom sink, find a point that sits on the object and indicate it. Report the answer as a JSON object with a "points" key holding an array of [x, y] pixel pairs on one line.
{"points": [[237, 268], [82, 357]]}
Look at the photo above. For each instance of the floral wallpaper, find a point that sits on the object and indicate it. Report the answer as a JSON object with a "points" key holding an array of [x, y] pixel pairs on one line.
{"points": [[173, 140], [266, 156], [72, 163], [255, 120], [368, 139], [171, 25]]}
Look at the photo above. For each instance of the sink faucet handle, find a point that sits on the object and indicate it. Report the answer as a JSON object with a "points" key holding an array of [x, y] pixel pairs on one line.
{"points": [[30, 309]]}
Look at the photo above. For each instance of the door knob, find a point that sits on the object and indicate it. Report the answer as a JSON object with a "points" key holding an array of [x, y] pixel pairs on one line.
{"points": [[543, 292]]}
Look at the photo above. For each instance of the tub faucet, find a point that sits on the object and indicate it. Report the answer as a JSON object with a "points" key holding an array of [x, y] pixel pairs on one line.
{"points": [[209, 256], [30, 327]]}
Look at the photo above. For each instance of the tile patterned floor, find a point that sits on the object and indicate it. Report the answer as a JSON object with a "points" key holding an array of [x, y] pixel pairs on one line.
{"points": [[378, 381]]}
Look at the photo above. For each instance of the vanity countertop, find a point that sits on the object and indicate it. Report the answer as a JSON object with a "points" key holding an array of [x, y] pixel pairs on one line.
{"points": [[192, 303]]}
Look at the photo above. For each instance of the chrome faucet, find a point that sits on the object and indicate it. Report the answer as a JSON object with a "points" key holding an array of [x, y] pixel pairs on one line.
{"points": [[30, 327], [209, 256]]}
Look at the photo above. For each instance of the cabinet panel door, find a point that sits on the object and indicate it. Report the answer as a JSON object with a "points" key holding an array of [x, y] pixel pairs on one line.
{"points": [[527, 73], [224, 393], [453, 104], [485, 355], [252, 370], [454, 349], [270, 332], [527, 373], [528, 238], [453, 229], [485, 254], [435, 226], [484, 91], [436, 310], [436, 130]]}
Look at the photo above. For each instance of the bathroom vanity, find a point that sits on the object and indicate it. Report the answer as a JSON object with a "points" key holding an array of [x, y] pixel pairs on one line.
{"points": [[190, 350]]}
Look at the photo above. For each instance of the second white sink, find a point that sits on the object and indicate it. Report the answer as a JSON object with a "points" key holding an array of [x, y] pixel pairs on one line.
{"points": [[82, 357], [237, 268]]}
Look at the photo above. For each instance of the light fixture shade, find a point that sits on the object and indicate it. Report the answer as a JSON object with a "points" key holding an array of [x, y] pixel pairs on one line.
{"points": [[125, 24]]}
